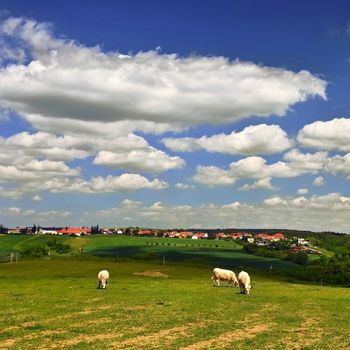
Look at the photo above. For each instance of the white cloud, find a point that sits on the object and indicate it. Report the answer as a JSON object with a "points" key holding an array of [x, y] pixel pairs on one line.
{"points": [[328, 135], [148, 159], [256, 139], [318, 213], [339, 165], [262, 184], [306, 162], [182, 186], [12, 211], [213, 176], [37, 198], [130, 204], [302, 191], [274, 201], [148, 86], [36, 170], [129, 151], [319, 181], [255, 167], [98, 184]]}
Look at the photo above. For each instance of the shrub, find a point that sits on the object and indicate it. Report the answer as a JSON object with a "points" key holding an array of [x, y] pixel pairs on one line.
{"points": [[62, 248], [35, 251], [299, 258]]}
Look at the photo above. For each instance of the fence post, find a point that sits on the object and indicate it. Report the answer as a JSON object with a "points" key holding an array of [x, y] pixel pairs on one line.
{"points": [[163, 260]]}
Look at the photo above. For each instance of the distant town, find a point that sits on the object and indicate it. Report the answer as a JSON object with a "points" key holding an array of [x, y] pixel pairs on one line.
{"points": [[271, 240]]}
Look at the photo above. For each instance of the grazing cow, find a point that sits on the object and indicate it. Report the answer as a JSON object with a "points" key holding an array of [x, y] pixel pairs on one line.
{"points": [[244, 282], [103, 277], [224, 275]]}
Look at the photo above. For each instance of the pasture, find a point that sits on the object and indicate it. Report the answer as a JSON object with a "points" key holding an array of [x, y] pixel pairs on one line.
{"points": [[53, 303]]}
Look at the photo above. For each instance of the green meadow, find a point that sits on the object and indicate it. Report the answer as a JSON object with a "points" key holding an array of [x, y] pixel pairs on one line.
{"points": [[160, 296]]}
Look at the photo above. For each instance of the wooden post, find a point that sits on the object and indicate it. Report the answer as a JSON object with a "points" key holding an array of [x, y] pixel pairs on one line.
{"points": [[163, 260]]}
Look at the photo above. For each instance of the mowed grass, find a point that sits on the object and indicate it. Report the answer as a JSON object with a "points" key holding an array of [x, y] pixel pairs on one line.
{"points": [[54, 304]]}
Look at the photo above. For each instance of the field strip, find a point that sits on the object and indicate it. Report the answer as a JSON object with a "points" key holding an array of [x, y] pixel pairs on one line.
{"points": [[227, 338], [249, 327], [81, 339], [305, 336], [8, 343], [164, 337]]}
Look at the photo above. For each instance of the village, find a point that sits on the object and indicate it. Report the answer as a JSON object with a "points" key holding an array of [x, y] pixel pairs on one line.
{"points": [[268, 240]]}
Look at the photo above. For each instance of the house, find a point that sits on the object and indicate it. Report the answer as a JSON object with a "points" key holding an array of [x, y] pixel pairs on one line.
{"points": [[170, 234], [49, 230], [220, 235], [74, 231], [262, 243], [16, 230], [185, 234], [303, 241], [145, 233], [200, 235]]}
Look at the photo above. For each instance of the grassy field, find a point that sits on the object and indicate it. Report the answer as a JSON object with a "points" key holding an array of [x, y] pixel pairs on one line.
{"points": [[53, 302], [209, 252]]}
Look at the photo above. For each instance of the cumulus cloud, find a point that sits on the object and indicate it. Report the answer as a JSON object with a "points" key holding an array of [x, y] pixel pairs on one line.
{"points": [[306, 162], [262, 184], [302, 191], [129, 151], [317, 213], [327, 135], [319, 181], [150, 160], [252, 140], [148, 86], [12, 211], [36, 170], [339, 165], [130, 204], [182, 186], [98, 184], [213, 176], [255, 167]]}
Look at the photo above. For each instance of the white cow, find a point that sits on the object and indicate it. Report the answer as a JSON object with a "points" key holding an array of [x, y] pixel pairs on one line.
{"points": [[224, 275], [103, 277], [244, 282]]}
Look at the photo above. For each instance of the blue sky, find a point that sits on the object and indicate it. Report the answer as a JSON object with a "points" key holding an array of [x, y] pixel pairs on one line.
{"points": [[187, 114]]}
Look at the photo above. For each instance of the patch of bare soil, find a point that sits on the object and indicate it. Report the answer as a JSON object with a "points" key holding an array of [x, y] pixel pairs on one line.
{"points": [[137, 308], [225, 339], [93, 322], [7, 344], [151, 274], [304, 336], [163, 338], [83, 339]]}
